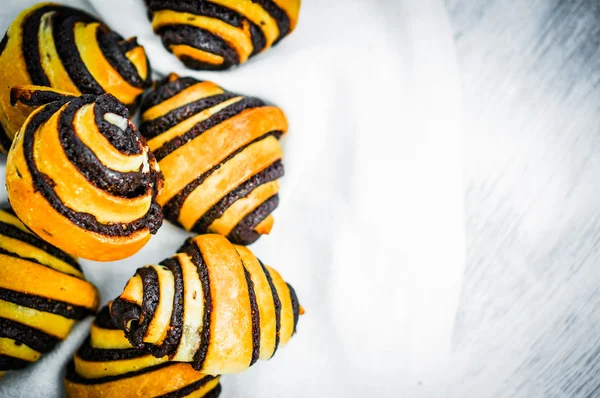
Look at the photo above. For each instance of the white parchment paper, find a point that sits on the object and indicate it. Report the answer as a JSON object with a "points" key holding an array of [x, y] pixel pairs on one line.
{"points": [[370, 226]]}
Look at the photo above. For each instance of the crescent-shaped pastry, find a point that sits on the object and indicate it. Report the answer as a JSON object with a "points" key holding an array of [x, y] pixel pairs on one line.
{"points": [[214, 305], [81, 176], [106, 365], [43, 292], [217, 34], [220, 155], [66, 49]]}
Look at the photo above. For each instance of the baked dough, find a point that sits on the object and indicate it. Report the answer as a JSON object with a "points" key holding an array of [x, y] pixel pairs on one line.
{"points": [[43, 292], [81, 176], [220, 155], [106, 365], [214, 305], [67, 49]]}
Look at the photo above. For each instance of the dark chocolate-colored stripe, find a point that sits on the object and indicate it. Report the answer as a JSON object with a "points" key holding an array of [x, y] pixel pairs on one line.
{"points": [[276, 303], [190, 388], [295, 305], [259, 41], [194, 252], [150, 301], [165, 89], [110, 44], [44, 304], [173, 336], [216, 119], [123, 184], [270, 173], [279, 15], [14, 232], [244, 233], [64, 38], [154, 127], [255, 318], [76, 378], [127, 142], [11, 363], [35, 98], [44, 185], [91, 354], [201, 39], [104, 320], [30, 45], [3, 43], [33, 338]]}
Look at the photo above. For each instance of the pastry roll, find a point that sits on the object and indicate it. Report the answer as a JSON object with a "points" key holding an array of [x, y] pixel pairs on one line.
{"points": [[214, 305], [81, 176], [220, 155], [217, 34], [43, 292], [106, 365], [67, 49]]}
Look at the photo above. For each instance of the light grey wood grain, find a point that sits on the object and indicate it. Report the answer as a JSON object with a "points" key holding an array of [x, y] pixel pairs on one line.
{"points": [[529, 319]]}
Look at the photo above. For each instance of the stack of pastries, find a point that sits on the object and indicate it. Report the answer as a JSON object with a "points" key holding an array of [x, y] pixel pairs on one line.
{"points": [[83, 181]]}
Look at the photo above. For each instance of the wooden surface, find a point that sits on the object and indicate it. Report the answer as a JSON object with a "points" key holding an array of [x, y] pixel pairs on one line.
{"points": [[529, 318]]}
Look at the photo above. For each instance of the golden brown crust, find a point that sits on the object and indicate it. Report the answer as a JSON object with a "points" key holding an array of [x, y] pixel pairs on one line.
{"points": [[220, 156], [67, 49], [42, 294], [226, 309], [81, 177]]}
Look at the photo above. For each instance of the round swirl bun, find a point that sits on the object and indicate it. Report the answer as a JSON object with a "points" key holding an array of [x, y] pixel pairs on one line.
{"points": [[67, 49], [220, 156], [80, 176], [42, 294], [217, 34], [214, 305], [106, 365]]}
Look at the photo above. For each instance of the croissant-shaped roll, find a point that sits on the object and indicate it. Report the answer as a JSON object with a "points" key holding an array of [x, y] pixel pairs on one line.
{"points": [[106, 365], [80, 176], [220, 156], [216, 34], [42, 294], [214, 305], [66, 49]]}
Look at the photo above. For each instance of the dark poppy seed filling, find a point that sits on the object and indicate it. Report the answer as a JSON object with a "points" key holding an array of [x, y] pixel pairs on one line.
{"points": [[225, 284], [203, 136], [203, 34], [66, 49], [114, 368], [42, 294]]}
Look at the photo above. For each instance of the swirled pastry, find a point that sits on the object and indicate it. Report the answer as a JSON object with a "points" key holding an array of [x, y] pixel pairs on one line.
{"points": [[80, 175], [214, 305], [220, 155], [106, 365], [67, 49], [217, 34], [42, 294]]}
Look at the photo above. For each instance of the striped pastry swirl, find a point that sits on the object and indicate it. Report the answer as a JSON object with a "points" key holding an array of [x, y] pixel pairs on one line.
{"points": [[217, 34], [80, 175], [67, 49], [213, 304], [220, 155], [106, 365], [42, 294]]}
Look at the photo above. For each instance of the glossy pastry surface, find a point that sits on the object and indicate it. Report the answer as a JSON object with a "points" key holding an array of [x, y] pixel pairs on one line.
{"points": [[217, 34], [106, 365], [220, 155], [81, 176], [43, 292], [66, 49], [214, 305]]}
